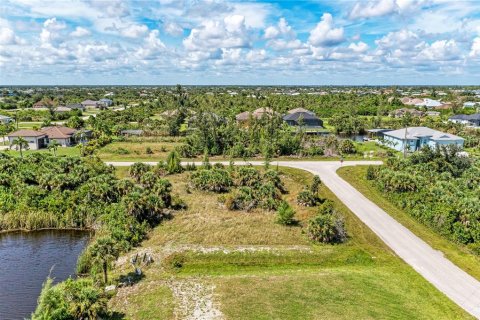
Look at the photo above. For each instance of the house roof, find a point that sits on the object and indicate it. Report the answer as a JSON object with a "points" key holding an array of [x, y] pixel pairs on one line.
{"points": [[105, 100], [475, 116], [88, 101], [62, 109], [26, 133], [243, 116], [5, 117], [300, 110], [261, 111], [58, 132], [414, 133], [300, 115], [75, 106]]}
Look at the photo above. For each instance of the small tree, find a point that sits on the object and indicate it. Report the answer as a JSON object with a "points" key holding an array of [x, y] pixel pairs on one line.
{"points": [[316, 183], [21, 144], [285, 214], [53, 146], [174, 163], [103, 252], [206, 160], [347, 147]]}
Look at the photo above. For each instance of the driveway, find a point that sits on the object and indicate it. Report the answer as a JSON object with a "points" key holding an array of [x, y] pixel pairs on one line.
{"points": [[455, 283]]}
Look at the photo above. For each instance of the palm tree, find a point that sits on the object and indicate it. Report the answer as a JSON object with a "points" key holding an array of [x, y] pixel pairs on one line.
{"points": [[21, 144], [104, 251], [53, 146]]}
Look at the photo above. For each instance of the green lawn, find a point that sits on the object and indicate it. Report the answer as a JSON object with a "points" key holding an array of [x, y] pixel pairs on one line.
{"points": [[61, 151], [457, 253], [280, 274]]}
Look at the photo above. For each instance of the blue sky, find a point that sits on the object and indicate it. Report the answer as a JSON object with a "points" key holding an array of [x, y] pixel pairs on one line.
{"points": [[332, 42]]}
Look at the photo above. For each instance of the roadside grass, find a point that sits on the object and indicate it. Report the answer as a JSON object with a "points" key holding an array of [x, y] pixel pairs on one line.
{"points": [[261, 270], [457, 253], [339, 293]]}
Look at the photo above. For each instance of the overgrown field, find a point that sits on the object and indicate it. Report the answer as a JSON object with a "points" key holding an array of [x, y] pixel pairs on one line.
{"points": [[214, 263]]}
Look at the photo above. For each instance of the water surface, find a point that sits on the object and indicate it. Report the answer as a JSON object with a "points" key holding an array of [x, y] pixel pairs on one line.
{"points": [[27, 258]]}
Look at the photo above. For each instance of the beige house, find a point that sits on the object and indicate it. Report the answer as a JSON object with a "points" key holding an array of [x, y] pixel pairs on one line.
{"points": [[63, 135], [41, 138], [36, 139]]}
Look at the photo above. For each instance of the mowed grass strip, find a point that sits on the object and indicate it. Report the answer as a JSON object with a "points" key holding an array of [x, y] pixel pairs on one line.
{"points": [[456, 253], [148, 300], [340, 293]]}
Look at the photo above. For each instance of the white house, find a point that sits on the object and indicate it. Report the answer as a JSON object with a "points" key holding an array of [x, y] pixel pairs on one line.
{"points": [[416, 137], [36, 139], [470, 104], [5, 119], [429, 103]]}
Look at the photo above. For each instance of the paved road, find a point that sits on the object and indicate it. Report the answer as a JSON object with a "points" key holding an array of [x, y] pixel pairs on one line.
{"points": [[455, 283]]}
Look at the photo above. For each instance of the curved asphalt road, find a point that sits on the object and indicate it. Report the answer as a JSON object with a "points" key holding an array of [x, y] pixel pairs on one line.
{"points": [[455, 283]]}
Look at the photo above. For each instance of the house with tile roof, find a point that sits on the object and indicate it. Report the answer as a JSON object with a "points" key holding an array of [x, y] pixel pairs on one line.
{"points": [[38, 139], [35, 139]]}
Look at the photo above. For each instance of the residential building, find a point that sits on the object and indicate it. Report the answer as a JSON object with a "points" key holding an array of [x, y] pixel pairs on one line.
{"points": [[414, 138], [38, 139], [306, 119], [63, 135], [432, 113], [35, 139], [62, 109], [403, 111], [470, 104], [301, 110], [105, 102], [75, 106], [5, 119], [89, 104], [258, 113], [469, 120]]}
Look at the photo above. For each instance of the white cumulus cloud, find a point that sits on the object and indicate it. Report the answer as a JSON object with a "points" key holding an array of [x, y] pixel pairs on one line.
{"points": [[324, 34], [80, 32]]}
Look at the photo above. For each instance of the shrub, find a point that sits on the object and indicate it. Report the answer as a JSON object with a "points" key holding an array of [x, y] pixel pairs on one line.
{"points": [[122, 151], [191, 167], [347, 147], [148, 150], [307, 198], [328, 226], [185, 151], [137, 170], [216, 180], [274, 177], [371, 174], [247, 176], [241, 199], [285, 214]]}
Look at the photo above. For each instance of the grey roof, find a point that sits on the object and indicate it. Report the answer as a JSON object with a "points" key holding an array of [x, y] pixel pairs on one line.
{"points": [[300, 115], [5, 117], [414, 133], [132, 132], [75, 106], [475, 116]]}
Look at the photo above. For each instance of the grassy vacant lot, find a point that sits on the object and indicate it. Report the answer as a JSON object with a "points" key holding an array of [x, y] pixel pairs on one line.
{"points": [[457, 253], [133, 150], [238, 265]]}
